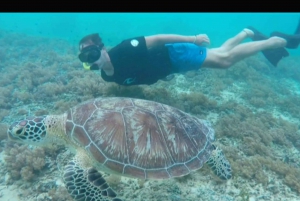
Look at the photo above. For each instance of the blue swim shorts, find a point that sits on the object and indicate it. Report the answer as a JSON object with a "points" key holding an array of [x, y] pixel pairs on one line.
{"points": [[186, 56]]}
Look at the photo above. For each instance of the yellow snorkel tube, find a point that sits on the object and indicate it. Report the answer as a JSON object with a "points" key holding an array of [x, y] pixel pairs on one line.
{"points": [[86, 66]]}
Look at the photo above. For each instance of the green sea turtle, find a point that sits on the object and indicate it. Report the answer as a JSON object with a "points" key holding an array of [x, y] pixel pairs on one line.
{"points": [[130, 137]]}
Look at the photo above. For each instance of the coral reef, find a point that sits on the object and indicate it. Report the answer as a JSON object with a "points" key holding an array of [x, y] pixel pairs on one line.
{"points": [[3, 134], [21, 162], [255, 108], [59, 194], [3, 131]]}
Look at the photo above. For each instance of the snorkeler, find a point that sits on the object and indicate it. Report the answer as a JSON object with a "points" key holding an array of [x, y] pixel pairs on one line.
{"points": [[146, 59]]}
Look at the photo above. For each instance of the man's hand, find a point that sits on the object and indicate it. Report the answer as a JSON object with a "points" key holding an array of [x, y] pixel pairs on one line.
{"points": [[202, 39]]}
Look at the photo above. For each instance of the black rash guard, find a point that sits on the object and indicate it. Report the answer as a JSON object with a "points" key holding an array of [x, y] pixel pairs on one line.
{"points": [[134, 64]]}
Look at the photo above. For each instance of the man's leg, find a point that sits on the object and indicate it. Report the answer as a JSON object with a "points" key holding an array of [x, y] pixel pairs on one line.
{"points": [[234, 41], [218, 58]]}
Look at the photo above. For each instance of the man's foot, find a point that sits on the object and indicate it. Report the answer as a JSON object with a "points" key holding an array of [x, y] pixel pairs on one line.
{"points": [[277, 42], [249, 32], [293, 41]]}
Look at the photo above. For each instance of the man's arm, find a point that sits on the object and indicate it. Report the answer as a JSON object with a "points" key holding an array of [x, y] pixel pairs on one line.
{"points": [[160, 39]]}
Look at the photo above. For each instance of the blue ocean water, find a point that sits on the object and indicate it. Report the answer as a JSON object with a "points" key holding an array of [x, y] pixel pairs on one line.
{"points": [[114, 27], [254, 107]]}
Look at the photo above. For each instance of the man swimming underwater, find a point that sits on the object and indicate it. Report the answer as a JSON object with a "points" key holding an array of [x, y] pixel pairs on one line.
{"points": [[147, 59]]}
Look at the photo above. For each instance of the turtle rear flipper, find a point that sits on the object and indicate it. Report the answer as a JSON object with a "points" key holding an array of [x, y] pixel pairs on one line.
{"points": [[219, 164], [87, 184]]}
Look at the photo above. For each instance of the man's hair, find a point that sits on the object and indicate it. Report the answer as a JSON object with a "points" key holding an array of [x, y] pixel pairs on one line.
{"points": [[95, 38]]}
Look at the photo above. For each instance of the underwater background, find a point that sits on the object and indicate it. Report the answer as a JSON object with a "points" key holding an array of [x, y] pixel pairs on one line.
{"points": [[253, 106]]}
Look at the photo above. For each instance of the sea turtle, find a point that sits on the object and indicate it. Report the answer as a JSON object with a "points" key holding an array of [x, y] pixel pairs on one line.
{"points": [[130, 137]]}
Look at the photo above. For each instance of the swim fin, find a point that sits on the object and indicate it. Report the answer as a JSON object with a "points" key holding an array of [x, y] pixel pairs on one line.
{"points": [[293, 41], [272, 55]]}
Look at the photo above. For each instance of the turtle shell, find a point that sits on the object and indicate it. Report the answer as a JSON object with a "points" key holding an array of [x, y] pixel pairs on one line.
{"points": [[140, 138]]}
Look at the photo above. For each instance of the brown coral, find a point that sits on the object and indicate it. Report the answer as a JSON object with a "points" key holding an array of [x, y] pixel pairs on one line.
{"points": [[24, 163]]}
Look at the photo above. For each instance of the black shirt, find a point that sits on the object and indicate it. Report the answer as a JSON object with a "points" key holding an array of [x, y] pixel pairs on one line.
{"points": [[134, 64]]}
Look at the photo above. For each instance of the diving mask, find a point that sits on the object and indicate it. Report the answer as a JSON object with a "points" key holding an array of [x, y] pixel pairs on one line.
{"points": [[90, 54]]}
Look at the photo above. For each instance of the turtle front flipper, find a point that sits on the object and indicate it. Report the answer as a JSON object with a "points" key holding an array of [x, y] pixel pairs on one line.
{"points": [[87, 184], [219, 164]]}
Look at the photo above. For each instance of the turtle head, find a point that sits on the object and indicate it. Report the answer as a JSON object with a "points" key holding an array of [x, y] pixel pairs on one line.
{"points": [[31, 130]]}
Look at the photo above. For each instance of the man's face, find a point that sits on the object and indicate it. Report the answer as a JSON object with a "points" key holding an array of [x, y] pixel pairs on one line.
{"points": [[90, 55]]}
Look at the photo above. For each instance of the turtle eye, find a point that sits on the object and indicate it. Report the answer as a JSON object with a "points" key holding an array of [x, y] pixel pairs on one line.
{"points": [[19, 131]]}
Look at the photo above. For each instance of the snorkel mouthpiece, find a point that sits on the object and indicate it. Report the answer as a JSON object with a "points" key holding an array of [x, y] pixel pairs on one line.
{"points": [[86, 66]]}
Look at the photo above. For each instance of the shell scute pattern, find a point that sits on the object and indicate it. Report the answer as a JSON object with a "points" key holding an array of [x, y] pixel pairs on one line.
{"points": [[140, 138]]}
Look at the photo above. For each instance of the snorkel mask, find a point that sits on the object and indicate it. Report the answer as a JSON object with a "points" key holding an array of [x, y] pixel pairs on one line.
{"points": [[90, 54]]}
